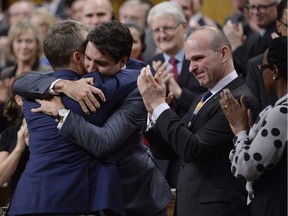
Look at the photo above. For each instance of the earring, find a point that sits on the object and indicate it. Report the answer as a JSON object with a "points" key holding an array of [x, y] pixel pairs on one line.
{"points": [[123, 67]]}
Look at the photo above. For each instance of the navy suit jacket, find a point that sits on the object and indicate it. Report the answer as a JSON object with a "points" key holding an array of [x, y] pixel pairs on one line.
{"points": [[64, 178]]}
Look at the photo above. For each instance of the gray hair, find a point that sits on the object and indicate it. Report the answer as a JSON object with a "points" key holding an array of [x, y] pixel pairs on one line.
{"points": [[164, 8]]}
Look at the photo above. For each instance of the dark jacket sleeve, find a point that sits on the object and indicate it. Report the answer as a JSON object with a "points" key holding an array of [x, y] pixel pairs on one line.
{"points": [[103, 141], [34, 85]]}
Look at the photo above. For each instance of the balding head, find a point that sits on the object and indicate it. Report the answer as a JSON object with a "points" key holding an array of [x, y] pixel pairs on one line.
{"points": [[210, 55]]}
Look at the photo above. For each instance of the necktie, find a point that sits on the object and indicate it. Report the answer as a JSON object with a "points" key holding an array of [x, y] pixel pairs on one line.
{"points": [[201, 102], [173, 61]]}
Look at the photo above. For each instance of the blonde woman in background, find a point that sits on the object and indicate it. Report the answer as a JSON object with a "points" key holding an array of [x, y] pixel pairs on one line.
{"points": [[25, 47]]}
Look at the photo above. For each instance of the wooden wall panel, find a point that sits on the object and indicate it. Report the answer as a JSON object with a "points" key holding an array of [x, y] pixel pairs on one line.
{"points": [[218, 9]]}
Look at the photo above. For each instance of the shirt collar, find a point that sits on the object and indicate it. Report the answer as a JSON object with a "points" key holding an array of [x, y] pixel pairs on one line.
{"points": [[179, 56], [223, 82]]}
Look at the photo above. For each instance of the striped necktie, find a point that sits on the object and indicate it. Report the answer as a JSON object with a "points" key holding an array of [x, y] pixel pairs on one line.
{"points": [[201, 102], [205, 96]]}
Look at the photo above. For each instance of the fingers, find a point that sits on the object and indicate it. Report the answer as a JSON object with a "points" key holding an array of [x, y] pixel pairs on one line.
{"points": [[169, 97], [36, 110], [243, 102]]}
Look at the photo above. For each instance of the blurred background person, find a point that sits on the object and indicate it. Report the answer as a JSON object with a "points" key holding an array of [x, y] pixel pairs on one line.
{"points": [[25, 47], [14, 152], [132, 11], [254, 79], [198, 19], [74, 9], [241, 16], [96, 12], [139, 46], [137, 11], [17, 11], [263, 13], [260, 152]]}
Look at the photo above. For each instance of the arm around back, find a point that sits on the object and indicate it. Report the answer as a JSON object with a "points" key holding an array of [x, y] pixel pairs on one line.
{"points": [[34, 85], [103, 141]]}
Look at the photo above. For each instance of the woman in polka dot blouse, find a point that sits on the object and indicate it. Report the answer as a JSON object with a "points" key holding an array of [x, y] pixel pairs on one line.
{"points": [[260, 153]]}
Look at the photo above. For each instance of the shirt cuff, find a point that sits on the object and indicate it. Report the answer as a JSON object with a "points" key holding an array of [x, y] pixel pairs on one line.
{"points": [[159, 110], [60, 124], [156, 113], [51, 91]]}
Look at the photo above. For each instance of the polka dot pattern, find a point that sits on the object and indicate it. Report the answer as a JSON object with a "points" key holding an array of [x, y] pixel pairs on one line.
{"points": [[261, 148]]}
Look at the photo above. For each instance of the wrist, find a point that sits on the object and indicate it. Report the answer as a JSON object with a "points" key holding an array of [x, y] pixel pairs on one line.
{"points": [[61, 114], [59, 86], [157, 103]]}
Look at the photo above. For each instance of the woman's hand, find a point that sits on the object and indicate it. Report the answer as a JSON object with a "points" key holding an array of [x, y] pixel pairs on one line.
{"points": [[238, 115]]}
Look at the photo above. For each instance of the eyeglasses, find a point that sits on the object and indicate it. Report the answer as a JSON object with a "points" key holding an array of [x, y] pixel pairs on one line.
{"points": [[285, 24], [262, 67], [165, 29], [260, 8]]}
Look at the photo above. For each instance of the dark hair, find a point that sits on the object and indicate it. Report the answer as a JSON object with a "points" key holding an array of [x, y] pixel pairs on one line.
{"points": [[280, 9], [12, 111], [62, 40], [277, 54], [141, 30], [113, 39]]}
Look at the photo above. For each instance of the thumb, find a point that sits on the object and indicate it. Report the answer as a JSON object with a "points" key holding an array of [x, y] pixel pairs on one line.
{"points": [[89, 80]]}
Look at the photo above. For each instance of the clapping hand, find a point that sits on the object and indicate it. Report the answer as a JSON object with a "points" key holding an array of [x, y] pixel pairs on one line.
{"points": [[238, 115], [151, 88]]}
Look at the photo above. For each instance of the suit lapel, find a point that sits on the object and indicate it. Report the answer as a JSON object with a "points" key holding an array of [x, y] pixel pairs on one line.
{"points": [[210, 107]]}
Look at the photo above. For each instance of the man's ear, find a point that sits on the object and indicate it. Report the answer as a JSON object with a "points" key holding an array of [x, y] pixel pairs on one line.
{"points": [[77, 57], [224, 53], [123, 61]]}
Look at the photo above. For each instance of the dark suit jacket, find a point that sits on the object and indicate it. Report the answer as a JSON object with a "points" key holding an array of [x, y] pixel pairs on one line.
{"points": [[206, 185], [61, 177], [255, 82], [145, 190]]}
